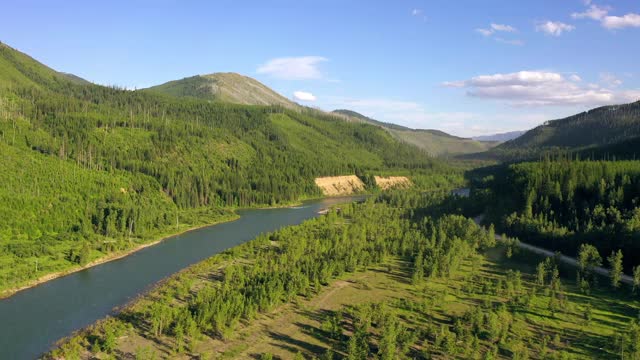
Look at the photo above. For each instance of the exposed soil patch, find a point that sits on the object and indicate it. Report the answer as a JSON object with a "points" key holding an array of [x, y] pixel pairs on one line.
{"points": [[386, 183], [340, 185]]}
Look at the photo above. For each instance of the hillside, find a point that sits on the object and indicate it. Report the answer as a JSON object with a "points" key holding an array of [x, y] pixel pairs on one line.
{"points": [[113, 169], [435, 142], [224, 87], [354, 116], [595, 128], [501, 137]]}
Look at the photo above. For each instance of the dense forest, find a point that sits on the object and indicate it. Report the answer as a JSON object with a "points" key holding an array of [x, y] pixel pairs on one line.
{"points": [[88, 169], [561, 204]]}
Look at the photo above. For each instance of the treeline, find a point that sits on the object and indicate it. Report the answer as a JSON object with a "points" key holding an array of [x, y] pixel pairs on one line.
{"points": [[561, 204]]}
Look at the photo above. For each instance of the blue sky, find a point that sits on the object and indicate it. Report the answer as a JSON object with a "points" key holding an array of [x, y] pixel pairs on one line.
{"points": [[466, 67]]}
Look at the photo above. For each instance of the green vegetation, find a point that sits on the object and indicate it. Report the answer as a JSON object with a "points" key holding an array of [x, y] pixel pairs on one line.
{"points": [[371, 280], [591, 133], [435, 142], [90, 171], [565, 203]]}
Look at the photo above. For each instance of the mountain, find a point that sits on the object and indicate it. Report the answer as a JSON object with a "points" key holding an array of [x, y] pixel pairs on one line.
{"points": [[600, 127], [18, 69], [89, 171], [224, 87], [501, 137], [435, 142]]}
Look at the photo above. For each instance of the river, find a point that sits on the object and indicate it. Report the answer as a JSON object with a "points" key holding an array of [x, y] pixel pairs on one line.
{"points": [[32, 320]]}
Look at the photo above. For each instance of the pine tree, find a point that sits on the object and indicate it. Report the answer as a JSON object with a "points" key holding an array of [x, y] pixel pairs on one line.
{"points": [[615, 263]]}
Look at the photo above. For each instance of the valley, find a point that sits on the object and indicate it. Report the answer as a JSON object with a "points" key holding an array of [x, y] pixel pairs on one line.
{"points": [[276, 211]]}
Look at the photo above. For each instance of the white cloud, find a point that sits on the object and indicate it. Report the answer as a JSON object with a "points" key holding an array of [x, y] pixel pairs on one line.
{"points": [[485, 32], [494, 29], [541, 88], [293, 68], [523, 78], [503, 27], [610, 80], [304, 96], [601, 14], [594, 12], [554, 28], [619, 22], [575, 78]]}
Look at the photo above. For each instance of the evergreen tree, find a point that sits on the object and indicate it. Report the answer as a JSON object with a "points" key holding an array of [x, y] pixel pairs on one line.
{"points": [[615, 264]]}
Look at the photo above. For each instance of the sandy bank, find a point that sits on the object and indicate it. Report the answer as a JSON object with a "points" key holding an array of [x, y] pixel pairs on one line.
{"points": [[386, 183]]}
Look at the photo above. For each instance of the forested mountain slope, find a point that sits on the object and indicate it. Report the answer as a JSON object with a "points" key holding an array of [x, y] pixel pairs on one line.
{"points": [[224, 87], [88, 169], [435, 142], [598, 127]]}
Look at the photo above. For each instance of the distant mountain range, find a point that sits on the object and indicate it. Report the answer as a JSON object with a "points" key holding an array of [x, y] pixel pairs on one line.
{"points": [[501, 137], [435, 142]]}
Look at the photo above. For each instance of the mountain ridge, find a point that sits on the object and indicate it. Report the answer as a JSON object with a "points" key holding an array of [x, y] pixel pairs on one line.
{"points": [[599, 127], [435, 142]]}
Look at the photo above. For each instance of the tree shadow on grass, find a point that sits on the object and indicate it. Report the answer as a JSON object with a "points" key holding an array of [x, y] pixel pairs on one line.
{"points": [[293, 345], [399, 277]]}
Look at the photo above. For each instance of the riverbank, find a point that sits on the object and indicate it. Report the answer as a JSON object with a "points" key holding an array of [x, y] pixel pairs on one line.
{"points": [[111, 257], [6, 293]]}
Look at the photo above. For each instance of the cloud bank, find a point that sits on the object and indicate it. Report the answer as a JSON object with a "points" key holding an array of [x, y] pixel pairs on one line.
{"points": [[554, 28], [542, 88]]}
